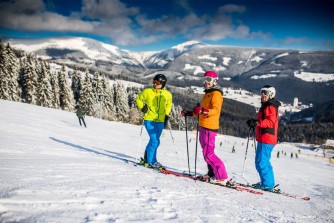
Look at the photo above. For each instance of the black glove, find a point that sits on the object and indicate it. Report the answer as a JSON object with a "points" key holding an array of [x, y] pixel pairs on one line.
{"points": [[166, 120], [186, 113], [251, 123], [144, 109]]}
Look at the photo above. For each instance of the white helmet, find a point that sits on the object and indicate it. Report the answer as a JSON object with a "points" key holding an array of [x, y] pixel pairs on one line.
{"points": [[269, 91]]}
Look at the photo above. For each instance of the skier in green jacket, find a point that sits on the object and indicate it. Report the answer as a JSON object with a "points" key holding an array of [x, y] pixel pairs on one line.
{"points": [[156, 103], [81, 115]]}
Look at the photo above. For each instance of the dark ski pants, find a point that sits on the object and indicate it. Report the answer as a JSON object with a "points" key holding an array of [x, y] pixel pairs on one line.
{"points": [[83, 120]]}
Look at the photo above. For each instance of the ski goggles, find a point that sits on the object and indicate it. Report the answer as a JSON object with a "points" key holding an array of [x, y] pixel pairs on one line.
{"points": [[155, 82], [208, 79], [265, 92]]}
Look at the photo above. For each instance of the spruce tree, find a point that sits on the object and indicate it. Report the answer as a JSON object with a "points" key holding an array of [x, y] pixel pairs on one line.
{"points": [[86, 96], [3, 73], [44, 89], [30, 80], [76, 85], [135, 114], [175, 118], [55, 90], [109, 110], [98, 95], [121, 103], [66, 95], [13, 70]]}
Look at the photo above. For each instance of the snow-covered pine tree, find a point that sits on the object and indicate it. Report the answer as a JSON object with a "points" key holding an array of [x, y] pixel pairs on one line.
{"points": [[55, 89], [175, 118], [66, 95], [121, 102], [3, 73], [98, 95], [76, 85], [44, 88], [135, 114], [109, 110], [30, 80], [96, 87], [14, 90], [86, 96]]}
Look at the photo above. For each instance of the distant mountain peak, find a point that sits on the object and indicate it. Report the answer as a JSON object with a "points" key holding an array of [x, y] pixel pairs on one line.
{"points": [[188, 45]]}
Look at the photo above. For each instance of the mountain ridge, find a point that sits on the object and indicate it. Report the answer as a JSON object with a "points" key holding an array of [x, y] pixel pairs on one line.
{"points": [[185, 63]]}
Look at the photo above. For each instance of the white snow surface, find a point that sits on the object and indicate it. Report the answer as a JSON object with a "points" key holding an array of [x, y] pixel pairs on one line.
{"points": [[53, 170], [314, 77]]}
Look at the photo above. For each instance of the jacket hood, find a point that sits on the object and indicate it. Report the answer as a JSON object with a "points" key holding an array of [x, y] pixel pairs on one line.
{"points": [[273, 102]]}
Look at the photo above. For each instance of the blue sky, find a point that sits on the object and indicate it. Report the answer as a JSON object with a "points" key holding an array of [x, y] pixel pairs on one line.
{"points": [[144, 25]]}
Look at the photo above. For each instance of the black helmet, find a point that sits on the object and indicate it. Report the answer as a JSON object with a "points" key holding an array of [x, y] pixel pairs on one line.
{"points": [[162, 78]]}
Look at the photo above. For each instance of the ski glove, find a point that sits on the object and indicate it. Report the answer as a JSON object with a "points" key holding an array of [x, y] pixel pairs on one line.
{"points": [[144, 109], [166, 120], [200, 110], [186, 113], [251, 123]]}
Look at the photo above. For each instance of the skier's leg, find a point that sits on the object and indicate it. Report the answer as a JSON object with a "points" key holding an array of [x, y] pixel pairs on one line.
{"points": [[154, 134], [207, 140], [210, 171], [83, 120], [263, 165], [159, 126], [79, 120]]}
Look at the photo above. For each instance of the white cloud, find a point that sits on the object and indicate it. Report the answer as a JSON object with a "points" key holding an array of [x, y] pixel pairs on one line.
{"points": [[126, 25]]}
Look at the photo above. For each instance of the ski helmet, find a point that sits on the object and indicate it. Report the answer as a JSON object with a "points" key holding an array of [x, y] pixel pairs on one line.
{"points": [[161, 78], [269, 91], [211, 76]]}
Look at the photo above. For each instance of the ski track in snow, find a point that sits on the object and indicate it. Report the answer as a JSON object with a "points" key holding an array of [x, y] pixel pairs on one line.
{"points": [[53, 170]]}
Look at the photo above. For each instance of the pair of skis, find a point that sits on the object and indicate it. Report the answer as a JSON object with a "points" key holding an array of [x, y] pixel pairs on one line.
{"points": [[235, 186]]}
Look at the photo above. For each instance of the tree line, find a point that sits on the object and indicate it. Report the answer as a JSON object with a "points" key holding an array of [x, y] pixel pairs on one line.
{"points": [[31, 80], [25, 78]]}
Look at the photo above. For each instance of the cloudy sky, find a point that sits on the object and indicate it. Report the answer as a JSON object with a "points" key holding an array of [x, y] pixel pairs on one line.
{"points": [[142, 25]]}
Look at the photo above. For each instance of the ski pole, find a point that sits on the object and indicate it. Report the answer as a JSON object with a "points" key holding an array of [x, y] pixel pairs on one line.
{"points": [[243, 169], [254, 136], [176, 148], [141, 132], [185, 117], [196, 144]]}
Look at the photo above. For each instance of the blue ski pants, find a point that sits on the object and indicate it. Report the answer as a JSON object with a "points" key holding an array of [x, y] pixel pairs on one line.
{"points": [[263, 165], [154, 130]]}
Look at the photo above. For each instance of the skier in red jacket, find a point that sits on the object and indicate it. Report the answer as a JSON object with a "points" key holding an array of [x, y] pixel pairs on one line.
{"points": [[266, 129]]}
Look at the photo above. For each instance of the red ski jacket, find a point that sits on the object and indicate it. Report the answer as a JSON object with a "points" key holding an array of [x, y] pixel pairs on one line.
{"points": [[267, 128]]}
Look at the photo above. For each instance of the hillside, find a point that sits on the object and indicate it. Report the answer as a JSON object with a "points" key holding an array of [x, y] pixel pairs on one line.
{"points": [[248, 68], [53, 170]]}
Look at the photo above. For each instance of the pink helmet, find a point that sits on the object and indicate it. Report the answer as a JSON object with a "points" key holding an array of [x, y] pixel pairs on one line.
{"points": [[212, 74]]}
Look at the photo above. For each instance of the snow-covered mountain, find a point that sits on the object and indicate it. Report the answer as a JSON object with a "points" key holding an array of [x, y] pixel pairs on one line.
{"points": [[191, 58], [248, 68], [76, 49]]}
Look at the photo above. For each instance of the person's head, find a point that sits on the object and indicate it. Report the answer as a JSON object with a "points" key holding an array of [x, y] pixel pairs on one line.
{"points": [[159, 81], [267, 92], [210, 79]]}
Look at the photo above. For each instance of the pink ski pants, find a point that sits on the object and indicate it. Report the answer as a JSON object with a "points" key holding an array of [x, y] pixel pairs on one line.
{"points": [[207, 140]]}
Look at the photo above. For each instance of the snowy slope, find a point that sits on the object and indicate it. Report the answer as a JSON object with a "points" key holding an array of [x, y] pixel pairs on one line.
{"points": [[53, 170]]}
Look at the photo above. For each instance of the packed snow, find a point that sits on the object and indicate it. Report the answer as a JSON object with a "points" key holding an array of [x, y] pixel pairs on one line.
{"points": [[54, 170], [314, 77]]}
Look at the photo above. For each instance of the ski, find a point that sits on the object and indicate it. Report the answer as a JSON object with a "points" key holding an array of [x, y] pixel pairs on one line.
{"points": [[206, 180], [276, 191]]}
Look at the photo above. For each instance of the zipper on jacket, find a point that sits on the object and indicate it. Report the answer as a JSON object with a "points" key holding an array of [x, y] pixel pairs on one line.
{"points": [[158, 103]]}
